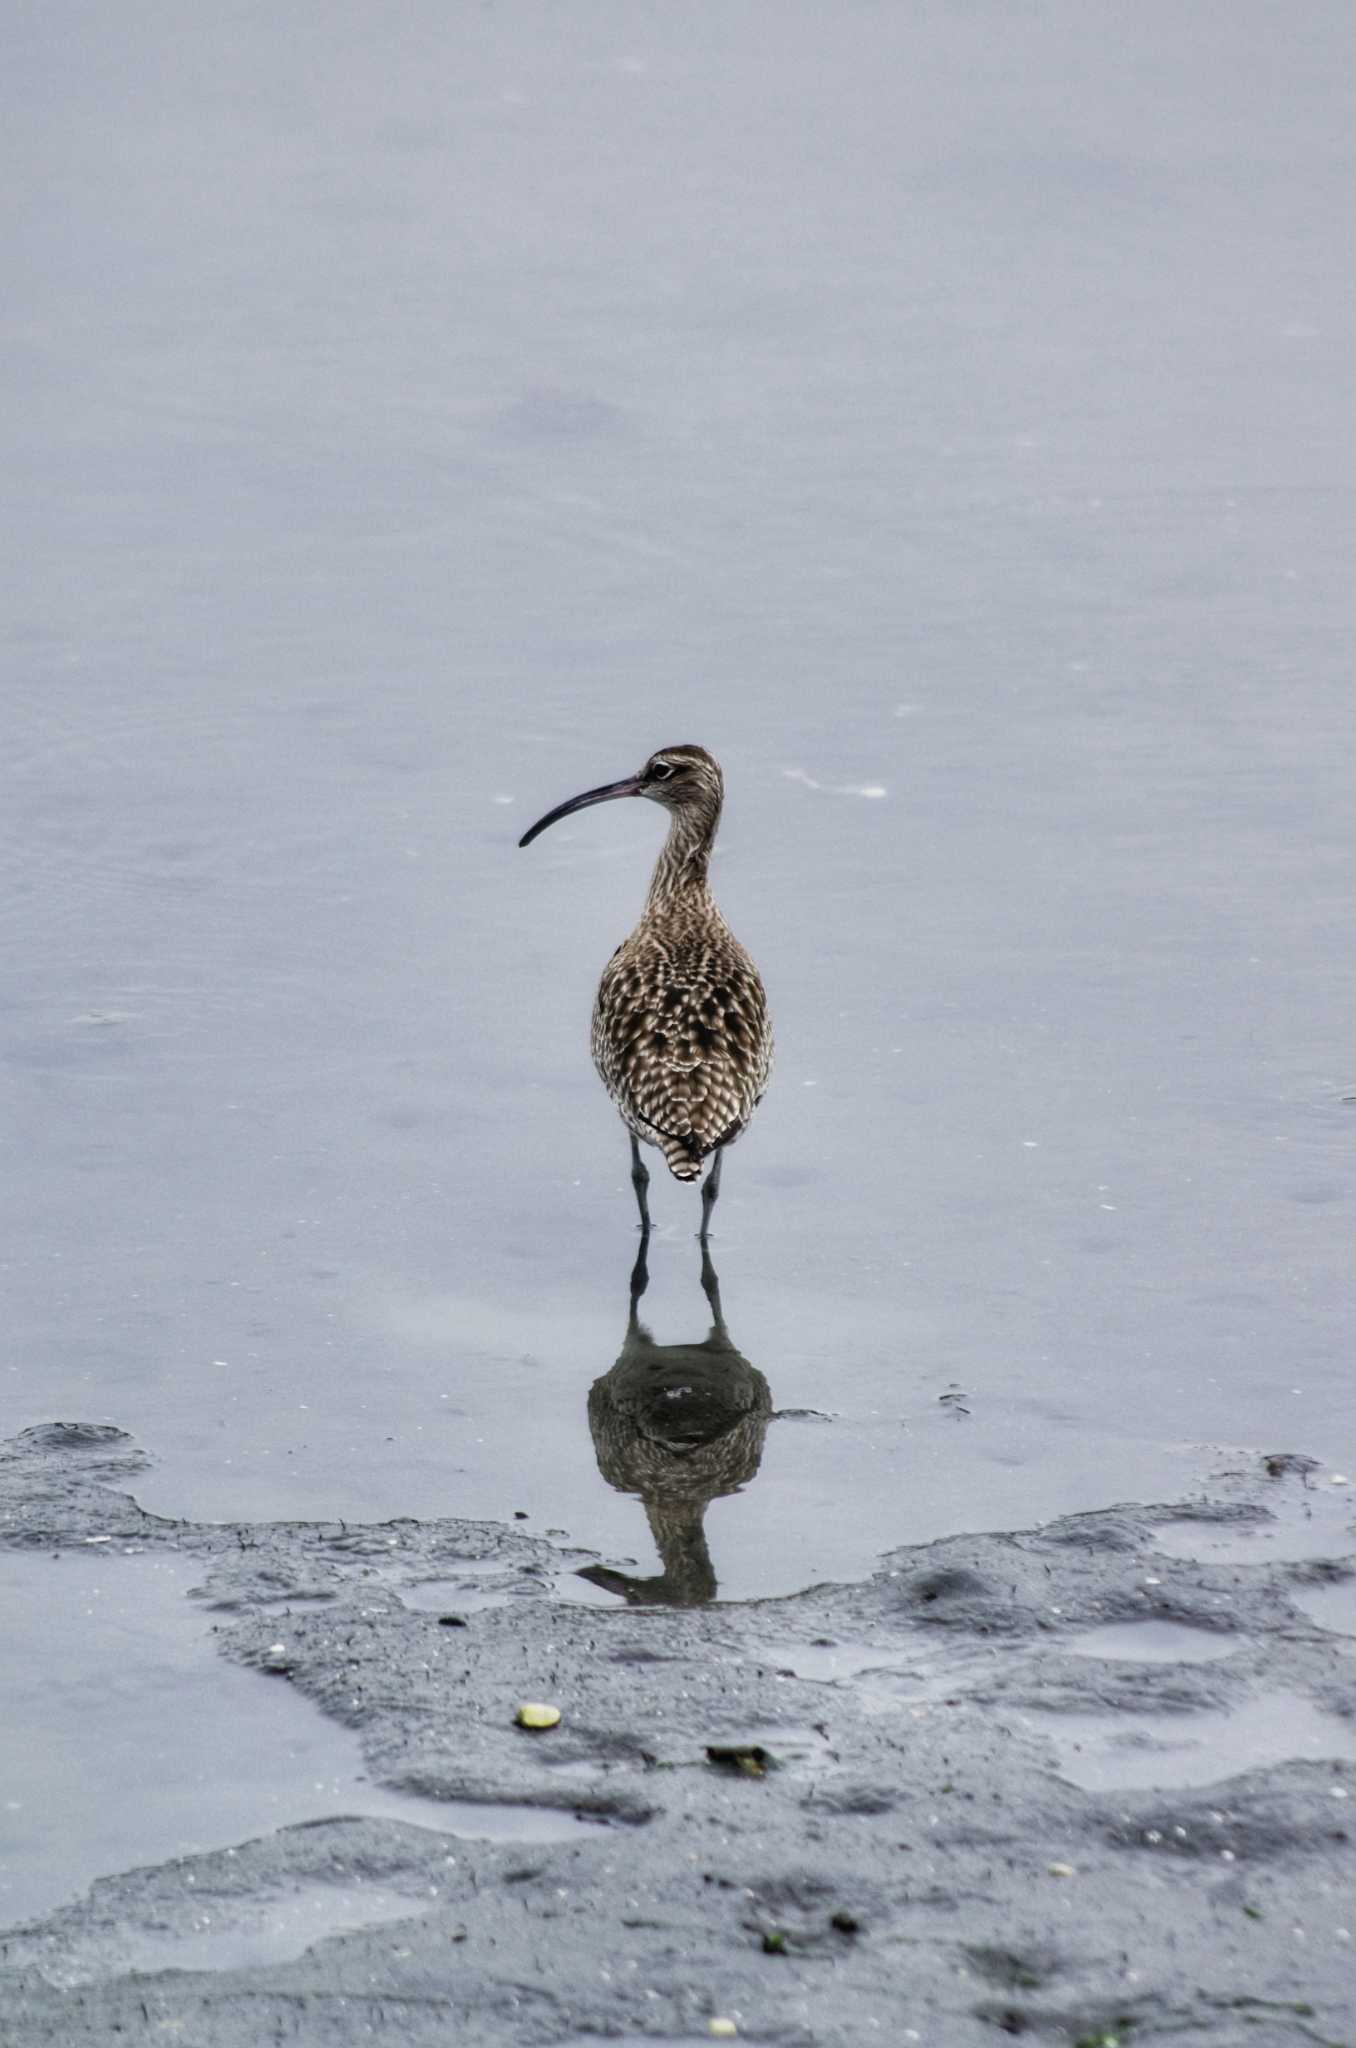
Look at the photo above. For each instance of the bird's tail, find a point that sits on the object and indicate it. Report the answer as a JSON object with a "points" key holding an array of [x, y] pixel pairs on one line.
{"points": [[682, 1156]]}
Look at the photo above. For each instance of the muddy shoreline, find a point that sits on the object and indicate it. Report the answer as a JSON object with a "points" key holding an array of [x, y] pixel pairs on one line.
{"points": [[879, 1811]]}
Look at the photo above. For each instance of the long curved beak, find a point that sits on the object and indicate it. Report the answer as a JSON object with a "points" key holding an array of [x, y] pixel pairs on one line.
{"points": [[631, 787]]}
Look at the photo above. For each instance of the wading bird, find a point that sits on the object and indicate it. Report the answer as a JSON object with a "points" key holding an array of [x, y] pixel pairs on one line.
{"points": [[681, 1035]]}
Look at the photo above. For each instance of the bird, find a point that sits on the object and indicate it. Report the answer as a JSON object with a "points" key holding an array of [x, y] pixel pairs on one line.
{"points": [[681, 1037]]}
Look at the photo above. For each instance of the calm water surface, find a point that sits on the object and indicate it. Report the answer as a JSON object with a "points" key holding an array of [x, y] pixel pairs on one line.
{"points": [[945, 416]]}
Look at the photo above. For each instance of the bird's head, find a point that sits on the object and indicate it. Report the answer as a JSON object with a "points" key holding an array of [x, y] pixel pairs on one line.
{"points": [[685, 780]]}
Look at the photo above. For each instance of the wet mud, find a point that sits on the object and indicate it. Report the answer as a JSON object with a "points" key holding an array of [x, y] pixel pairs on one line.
{"points": [[1064, 1783]]}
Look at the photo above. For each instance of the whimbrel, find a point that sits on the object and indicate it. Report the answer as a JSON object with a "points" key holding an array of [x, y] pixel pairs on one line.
{"points": [[681, 1035]]}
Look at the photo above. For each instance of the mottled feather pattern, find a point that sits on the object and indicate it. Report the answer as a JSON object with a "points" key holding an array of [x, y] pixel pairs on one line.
{"points": [[680, 1032], [681, 1035]]}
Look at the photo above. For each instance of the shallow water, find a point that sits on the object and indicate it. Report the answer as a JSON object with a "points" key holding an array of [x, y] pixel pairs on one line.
{"points": [[1102, 1751], [128, 1740], [234, 1935], [939, 414], [1156, 1642], [1300, 1522], [1331, 1607]]}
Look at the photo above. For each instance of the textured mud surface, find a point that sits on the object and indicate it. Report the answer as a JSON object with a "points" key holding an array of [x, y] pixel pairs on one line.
{"points": [[862, 1812]]}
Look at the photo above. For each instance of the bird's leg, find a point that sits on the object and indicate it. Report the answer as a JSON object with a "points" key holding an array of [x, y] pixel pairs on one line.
{"points": [[710, 1190], [640, 1280], [640, 1180], [711, 1289]]}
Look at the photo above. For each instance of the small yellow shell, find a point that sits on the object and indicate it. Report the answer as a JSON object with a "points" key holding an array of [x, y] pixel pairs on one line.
{"points": [[532, 1714], [724, 2030]]}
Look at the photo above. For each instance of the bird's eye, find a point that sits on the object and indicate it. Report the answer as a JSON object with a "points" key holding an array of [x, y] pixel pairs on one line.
{"points": [[661, 771]]}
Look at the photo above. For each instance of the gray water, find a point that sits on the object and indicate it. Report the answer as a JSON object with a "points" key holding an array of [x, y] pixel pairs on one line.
{"points": [[127, 1740], [945, 415]]}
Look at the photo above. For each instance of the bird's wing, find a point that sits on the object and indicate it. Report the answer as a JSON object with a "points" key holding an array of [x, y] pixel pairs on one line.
{"points": [[683, 1047]]}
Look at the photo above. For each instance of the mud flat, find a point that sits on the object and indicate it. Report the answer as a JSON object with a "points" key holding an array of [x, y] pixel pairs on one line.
{"points": [[1093, 1783]]}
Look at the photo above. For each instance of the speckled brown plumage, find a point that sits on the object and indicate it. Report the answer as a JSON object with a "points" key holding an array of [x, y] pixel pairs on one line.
{"points": [[681, 1034]]}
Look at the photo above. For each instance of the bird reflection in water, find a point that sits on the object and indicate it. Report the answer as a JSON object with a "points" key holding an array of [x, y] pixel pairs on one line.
{"points": [[679, 1424]]}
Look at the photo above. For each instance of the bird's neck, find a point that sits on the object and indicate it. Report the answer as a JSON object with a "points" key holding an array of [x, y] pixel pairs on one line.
{"points": [[689, 1578], [680, 871]]}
